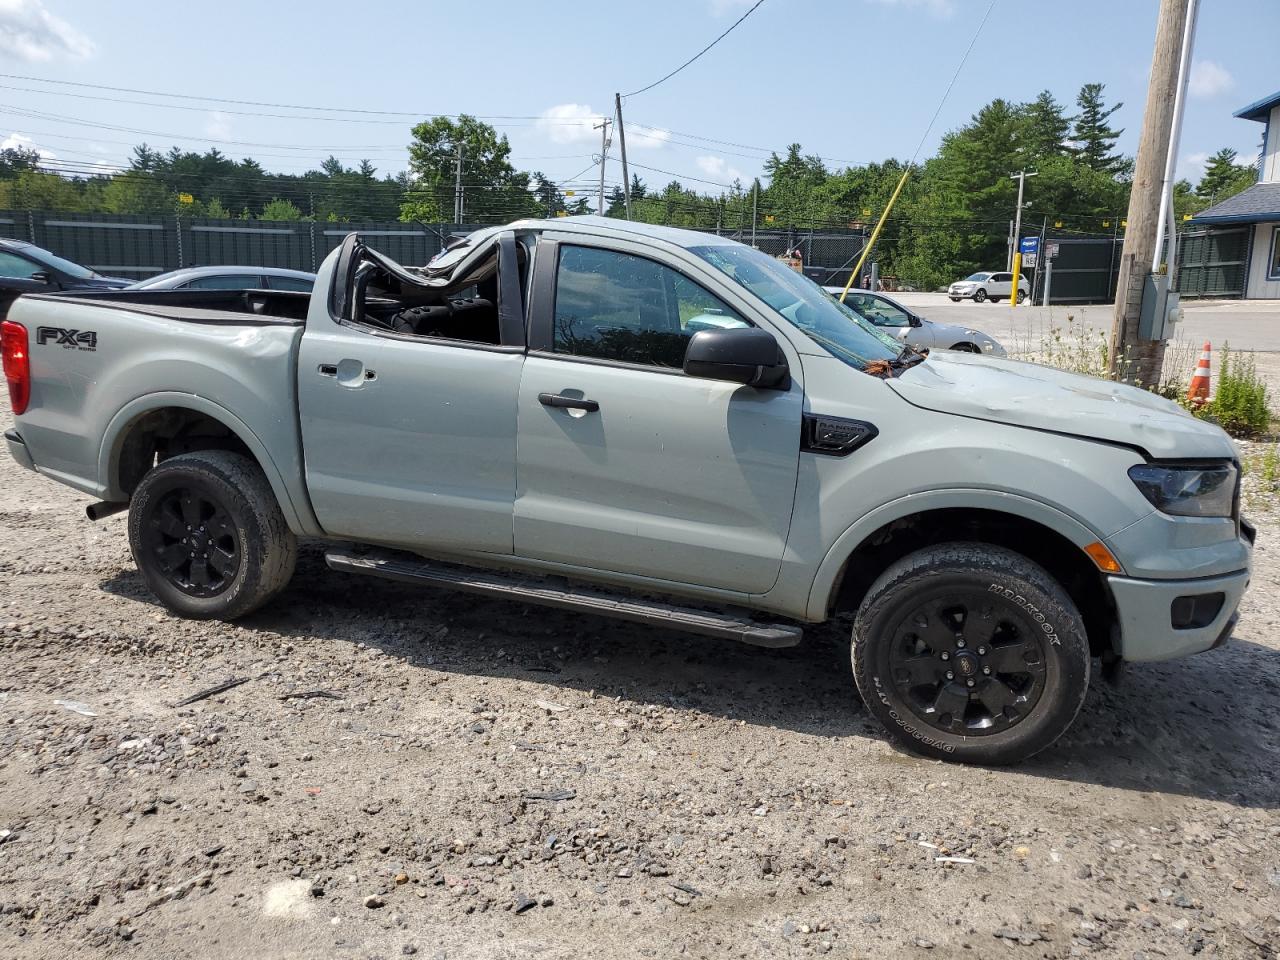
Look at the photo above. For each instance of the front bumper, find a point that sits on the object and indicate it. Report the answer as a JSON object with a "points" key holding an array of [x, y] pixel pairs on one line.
{"points": [[17, 449], [1145, 615]]}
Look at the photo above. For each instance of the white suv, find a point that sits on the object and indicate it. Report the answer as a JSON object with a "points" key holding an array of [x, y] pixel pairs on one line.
{"points": [[988, 286]]}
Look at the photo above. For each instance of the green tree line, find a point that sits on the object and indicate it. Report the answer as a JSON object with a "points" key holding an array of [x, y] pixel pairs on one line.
{"points": [[952, 217]]}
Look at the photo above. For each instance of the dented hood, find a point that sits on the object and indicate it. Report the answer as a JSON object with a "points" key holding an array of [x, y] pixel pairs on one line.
{"points": [[1042, 398]]}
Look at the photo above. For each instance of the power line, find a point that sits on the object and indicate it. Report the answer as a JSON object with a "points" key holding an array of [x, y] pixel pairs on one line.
{"points": [[699, 53], [955, 76], [277, 106]]}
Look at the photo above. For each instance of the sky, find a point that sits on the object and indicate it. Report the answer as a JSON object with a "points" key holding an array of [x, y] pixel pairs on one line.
{"points": [[853, 81]]}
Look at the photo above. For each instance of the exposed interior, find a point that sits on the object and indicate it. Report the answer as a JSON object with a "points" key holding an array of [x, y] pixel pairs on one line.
{"points": [[462, 307]]}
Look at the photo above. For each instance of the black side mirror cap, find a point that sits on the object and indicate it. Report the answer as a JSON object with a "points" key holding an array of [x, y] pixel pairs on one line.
{"points": [[916, 321], [746, 355], [42, 276]]}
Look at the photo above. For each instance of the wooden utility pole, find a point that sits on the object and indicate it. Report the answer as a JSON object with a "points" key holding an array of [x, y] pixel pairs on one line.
{"points": [[622, 145], [1132, 358]]}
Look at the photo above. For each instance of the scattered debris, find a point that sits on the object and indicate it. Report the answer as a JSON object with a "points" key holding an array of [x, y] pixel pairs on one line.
{"points": [[213, 691], [1024, 937], [550, 707], [549, 794], [180, 890], [954, 860], [75, 706], [523, 902], [311, 695]]}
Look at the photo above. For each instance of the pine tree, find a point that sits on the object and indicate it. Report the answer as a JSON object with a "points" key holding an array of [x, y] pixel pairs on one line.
{"points": [[1046, 128], [1223, 177], [1093, 140]]}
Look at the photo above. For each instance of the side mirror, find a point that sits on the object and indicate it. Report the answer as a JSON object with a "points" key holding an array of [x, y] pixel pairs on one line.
{"points": [[42, 276], [745, 355], [916, 321]]}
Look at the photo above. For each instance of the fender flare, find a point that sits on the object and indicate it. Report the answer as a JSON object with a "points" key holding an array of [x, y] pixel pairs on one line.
{"points": [[828, 575], [300, 521]]}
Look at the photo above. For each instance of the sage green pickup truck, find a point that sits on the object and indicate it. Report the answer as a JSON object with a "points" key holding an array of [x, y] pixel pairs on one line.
{"points": [[657, 425]]}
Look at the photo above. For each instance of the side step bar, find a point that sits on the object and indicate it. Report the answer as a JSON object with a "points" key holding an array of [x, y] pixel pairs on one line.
{"points": [[544, 590]]}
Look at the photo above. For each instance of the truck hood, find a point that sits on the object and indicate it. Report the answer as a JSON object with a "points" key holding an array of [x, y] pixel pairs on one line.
{"points": [[1043, 398]]}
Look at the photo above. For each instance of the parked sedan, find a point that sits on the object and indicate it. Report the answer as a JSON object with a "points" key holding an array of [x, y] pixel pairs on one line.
{"points": [[229, 278], [987, 285], [914, 330], [26, 268]]}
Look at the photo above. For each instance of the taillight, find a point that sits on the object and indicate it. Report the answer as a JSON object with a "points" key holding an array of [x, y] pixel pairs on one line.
{"points": [[17, 364]]}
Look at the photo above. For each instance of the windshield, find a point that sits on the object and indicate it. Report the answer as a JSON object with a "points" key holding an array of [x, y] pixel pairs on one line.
{"points": [[803, 304], [978, 276], [65, 266]]}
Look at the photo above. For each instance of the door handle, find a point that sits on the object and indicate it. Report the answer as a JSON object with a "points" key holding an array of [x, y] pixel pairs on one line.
{"points": [[570, 403], [349, 373]]}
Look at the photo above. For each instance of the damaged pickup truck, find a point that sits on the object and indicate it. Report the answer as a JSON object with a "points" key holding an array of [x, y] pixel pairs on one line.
{"points": [[658, 425]]}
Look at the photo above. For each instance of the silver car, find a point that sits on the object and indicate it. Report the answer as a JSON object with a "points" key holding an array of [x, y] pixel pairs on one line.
{"points": [[229, 278], [912, 329], [988, 285]]}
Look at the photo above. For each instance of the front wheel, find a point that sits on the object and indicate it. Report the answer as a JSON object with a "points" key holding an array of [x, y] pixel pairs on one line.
{"points": [[954, 299], [970, 652], [980, 296], [208, 535]]}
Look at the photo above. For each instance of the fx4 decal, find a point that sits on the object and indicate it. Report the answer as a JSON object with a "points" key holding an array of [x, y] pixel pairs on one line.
{"points": [[70, 339]]}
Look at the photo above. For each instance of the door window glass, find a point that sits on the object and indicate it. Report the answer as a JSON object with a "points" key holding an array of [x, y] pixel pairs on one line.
{"points": [[290, 283], [226, 281], [616, 306], [880, 312], [15, 267]]}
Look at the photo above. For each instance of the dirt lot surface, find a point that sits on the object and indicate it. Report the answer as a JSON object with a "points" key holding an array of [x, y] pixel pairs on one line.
{"points": [[409, 772]]}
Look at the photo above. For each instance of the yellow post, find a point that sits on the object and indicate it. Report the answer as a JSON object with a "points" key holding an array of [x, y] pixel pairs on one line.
{"points": [[875, 234], [1017, 271]]}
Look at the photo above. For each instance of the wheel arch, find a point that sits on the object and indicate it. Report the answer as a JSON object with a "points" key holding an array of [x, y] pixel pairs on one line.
{"points": [[1036, 530], [167, 423]]}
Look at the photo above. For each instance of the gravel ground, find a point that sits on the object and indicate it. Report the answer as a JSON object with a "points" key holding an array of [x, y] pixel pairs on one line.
{"points": [[409, 772]]}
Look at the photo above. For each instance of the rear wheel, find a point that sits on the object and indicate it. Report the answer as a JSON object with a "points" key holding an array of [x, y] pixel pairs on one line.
{"points": [[970, 652], [980, 296], [208, 536], [1022, 296]]}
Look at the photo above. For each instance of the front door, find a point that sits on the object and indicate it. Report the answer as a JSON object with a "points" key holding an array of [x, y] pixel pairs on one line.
{"points": [[627, 465], [18, 275], [411, 440]]}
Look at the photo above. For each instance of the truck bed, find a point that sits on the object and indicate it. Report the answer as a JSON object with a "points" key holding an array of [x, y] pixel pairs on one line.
{"points": [[237, 307]]}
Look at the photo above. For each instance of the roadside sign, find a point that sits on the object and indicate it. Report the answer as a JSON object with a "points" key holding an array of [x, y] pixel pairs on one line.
{"points": [[1051, 249], [186, 198], [1029, 259], [1029, 246]]}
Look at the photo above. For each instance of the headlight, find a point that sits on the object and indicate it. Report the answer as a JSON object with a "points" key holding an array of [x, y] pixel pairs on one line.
{"points": [[1188, 491]]}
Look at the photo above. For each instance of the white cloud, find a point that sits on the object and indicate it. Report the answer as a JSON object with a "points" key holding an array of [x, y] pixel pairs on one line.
{"points": [[217, 125], [1208, 79], [718, 169], [31, 33], [17, 141], [570, 123], [939, 8], [575, 123]]}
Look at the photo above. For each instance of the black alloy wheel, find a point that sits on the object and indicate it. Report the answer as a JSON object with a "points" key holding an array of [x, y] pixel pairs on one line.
{"points": [[969, 663], [193, 541]]}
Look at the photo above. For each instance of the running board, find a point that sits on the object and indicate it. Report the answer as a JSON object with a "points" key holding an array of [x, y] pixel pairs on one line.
{"points": [[543, 590]]}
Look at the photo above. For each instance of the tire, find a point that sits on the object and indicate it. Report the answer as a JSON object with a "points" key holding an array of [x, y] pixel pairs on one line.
{"points": [[1028, 634], [1022, 296], [965, 348], [980, 296], [954, 299], [253, 548]]}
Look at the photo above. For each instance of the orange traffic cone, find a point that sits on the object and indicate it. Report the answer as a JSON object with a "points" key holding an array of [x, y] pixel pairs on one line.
{"points": [[1198, 392]]}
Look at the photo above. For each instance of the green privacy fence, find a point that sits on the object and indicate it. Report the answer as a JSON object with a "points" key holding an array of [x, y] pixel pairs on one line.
{"points": [[1211, 263], [138, 247]]}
